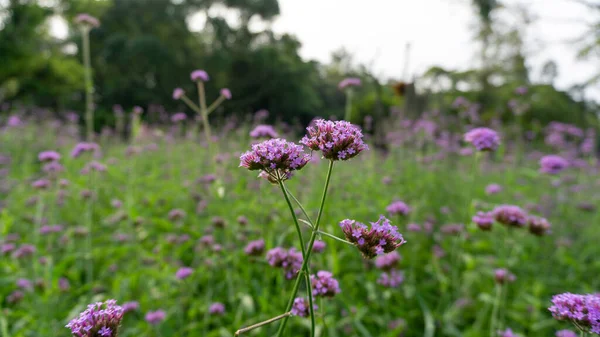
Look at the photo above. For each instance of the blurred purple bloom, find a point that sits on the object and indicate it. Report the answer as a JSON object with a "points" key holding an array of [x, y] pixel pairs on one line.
{"points": [[300, 307], [510, 215], [484, 220], [319, 246], [178, 93], [553, 164], [398, 208], [391, 279], [226, 93], [493, 189], [503, 276], [483, 139], [178, 117], [255, 248], [216, 308], [324, 285], [199, 75], [183, 273], [86, 19], [46, 156], [387, 261], [349, 82], [155, 317], [264, 131]]}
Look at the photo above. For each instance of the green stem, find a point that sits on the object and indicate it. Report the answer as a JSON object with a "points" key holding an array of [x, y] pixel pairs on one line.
{"points": [[215, 105], [89, 86], [301, 207], [495, 309], [308, 251], [305, 267], [336, 238]]}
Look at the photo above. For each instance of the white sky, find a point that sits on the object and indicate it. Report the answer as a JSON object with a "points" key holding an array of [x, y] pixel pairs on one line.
{"points": [[440, 32]]}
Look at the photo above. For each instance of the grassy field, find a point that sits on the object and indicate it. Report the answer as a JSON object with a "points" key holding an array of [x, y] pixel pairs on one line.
{"points": [[120, 238]]}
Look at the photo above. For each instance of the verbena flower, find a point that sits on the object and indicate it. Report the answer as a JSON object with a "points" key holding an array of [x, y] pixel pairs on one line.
{"points": [[216, 308], [199, 75], [398, 208], [178, 117], [155, 317], [264, 131], [387, 261], [277, 158], [391, 279], [493, 189], [41, 184], [301, 307], [483, 139], [178, 93], [86, 19], [138, 110], [184, 273], [324, 285], [349, 82], [484, 220], [452, 229], [581, 310], [319, 246], [48, 156], [289, 260], [176, 214], [338, 140], [507, 333], [255, 248], [382, 237], [565, 333], [503, 276], [83, 147], [553, 164], [98, 320], [130, 306], [226, 93], [510, 215], [538, 226]]}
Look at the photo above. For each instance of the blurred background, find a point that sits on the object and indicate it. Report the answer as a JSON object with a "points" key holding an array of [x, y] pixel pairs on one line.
{"points": [[287, 56]]}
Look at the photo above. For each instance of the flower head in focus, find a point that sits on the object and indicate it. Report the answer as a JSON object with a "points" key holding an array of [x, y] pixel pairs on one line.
{"points": [[339, 140], [380, 238], [277, 158]]}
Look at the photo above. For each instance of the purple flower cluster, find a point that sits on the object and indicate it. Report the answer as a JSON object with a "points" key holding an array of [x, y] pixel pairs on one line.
{"points": [[289, 260], [99, 319], [565, 333], [493, 189], [553, 164], [277, 158], [155, 317], [398, 208], [387, 261], [391, 279], [503, 276], [338, 140], [319, 246], [264, 131], [82, 147], [255, 248], [581, 310], [301, 306], [483, 139], [86, 19], [510, 215], [199, 75], [48, 156], [538, 226], [349, 82], [484, 220], [226, 93], [216, 308], [178, 117], [178, 93], [184, 272], [324, 285], [382, 237], [507, 333]]}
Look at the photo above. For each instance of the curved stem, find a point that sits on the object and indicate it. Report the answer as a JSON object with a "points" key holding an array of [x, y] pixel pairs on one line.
{"points": [[336, 238], [305, 267], [301, 207], [495, 310], [308, 253]]}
